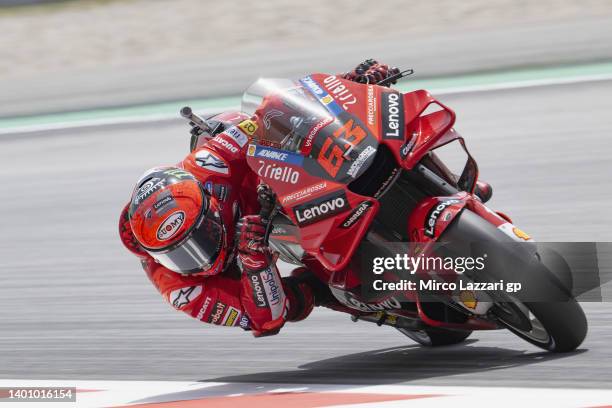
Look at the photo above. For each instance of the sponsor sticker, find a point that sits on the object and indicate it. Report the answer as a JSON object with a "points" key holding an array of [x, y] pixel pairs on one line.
{"points": [[521, 234], [252, 263], [407, 147], [276, 154], [171, 226], [259, 293], [204, 308], [231, 317], [308, 140], [251, 150], [147, 189], [178, 173], [356, 214], [272, 286], [388, 304], [313, 86], [323, 97], [321, 207], [327, 99], [303, 193], [371, 106], [279, 230], [225, 144], [210, 161], [387, 183], [236, 134], [164, 203], [434, 214], [515, 233], [248, 126], [339, 91], [468, 298], [273, 171], [341, 146], [244, 322], [181, 297], [392, 115], [216, 313], [353, 170]]}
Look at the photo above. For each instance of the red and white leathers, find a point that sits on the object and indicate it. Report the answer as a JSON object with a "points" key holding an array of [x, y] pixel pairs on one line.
{"points": [[250, 292]]}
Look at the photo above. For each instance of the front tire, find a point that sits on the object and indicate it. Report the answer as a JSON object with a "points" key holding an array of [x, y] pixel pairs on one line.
{"points": [[556, 324]]}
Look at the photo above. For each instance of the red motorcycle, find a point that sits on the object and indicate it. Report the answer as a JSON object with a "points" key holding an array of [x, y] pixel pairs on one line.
{"points": [[357, 175]]}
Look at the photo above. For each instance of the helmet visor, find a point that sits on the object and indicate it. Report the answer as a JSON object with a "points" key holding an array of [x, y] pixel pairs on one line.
{"points": [[196, 253]]}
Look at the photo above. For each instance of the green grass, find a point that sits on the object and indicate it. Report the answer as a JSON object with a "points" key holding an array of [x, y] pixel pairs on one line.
{"points": [[53, 7]]}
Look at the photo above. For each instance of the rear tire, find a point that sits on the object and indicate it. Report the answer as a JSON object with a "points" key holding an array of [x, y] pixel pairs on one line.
{"points": [[432, 337]]}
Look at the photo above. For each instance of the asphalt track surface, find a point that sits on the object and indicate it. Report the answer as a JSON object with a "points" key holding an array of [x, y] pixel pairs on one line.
{"points": [[75, 305], [451, 52]]}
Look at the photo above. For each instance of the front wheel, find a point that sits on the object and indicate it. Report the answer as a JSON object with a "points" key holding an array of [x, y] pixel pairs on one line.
{"points": [[557, 323], [558, 327]]}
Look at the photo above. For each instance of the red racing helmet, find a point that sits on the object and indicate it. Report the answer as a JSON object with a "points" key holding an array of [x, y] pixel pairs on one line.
{"points": [[177, 222]]}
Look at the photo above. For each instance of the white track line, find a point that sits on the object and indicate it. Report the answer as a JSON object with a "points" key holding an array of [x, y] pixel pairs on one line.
{"points": [[532, 83], [128, 120], [171, 116], [115, 393]]}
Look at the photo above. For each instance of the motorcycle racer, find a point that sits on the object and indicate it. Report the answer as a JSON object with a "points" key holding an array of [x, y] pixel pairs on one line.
{"points": [[196, 229]]}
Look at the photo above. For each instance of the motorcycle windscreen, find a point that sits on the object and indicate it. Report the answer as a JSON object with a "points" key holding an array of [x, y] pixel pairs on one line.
{"points": [[308, 148], [285, 111], [303, 118]]}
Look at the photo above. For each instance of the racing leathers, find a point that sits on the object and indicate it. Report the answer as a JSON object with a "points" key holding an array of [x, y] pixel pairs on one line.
{"points": [[247, 291]]}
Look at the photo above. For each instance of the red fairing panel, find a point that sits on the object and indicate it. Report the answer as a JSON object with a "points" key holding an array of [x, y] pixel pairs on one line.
{"points": [[331, 219], [423, 129], [431, 217]]}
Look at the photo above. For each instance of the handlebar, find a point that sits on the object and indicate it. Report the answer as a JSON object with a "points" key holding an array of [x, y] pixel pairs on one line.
{"points": [[195, 119]]}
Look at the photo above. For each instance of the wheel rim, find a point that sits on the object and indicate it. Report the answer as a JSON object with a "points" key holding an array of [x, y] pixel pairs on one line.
{"points": [[420, 336], [533, 329]]}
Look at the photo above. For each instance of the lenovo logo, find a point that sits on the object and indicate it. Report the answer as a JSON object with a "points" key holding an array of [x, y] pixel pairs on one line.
{"points": [[319, 208]]}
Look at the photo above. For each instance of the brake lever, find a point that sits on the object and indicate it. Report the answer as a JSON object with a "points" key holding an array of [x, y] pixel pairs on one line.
{"points": [[396, 77]]}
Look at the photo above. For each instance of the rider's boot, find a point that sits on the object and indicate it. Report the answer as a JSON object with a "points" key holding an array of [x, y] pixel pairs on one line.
{"points": [[305, 291]]}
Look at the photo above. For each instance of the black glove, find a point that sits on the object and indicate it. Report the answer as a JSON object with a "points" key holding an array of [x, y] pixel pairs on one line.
{"points": [[371, 72], [267, 200]]}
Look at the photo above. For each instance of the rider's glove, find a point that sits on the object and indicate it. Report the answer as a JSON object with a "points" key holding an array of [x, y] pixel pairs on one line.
{"points": [[371, 72], [263, 296], [250, 234]]}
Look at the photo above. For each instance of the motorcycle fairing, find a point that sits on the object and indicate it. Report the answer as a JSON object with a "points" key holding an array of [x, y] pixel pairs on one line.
{"points": [[411, 124], [345, 148], [340, 151]]}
